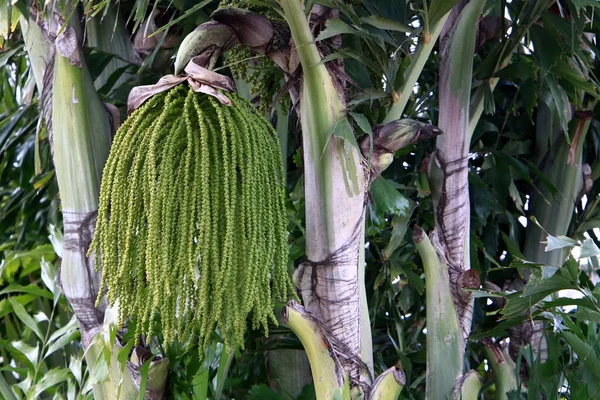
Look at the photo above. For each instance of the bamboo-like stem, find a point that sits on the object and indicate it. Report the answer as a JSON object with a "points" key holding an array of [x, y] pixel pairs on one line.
{"points": [[449, 309], [39, 49], [418, 60], [504, 369], [5, 391], [563, 168], [81, 144], [334, 206], [388, 385], [561, 164], [444, 344], [327, 372], [468, 386], [448, 171]]}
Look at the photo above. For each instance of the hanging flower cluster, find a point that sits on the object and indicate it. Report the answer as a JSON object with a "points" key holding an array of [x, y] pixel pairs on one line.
{"points": [[191, 224]]}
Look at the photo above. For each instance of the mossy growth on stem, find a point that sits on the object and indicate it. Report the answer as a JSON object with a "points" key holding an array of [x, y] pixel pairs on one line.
{"points": [[191, 224]]}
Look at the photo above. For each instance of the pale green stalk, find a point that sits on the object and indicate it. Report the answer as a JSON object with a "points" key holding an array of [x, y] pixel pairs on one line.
{"points": [[554, 214], [81, 136], [561, 164], [388, 385], [470, 385], [82, 141], [334, 187], [449, 308], [328, 374], [449, 169], [444, 343], [418, 60], [504, 369]]}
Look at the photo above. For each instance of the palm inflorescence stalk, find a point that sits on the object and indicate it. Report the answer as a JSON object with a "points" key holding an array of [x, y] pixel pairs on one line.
{"points": [[191, 224]]}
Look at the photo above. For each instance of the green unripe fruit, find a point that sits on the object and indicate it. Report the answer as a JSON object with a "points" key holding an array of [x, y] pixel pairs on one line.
{"points": [[191, 224]]}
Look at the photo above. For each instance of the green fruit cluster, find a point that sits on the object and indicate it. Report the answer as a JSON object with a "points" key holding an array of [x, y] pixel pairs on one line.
{"points": [[191, 226]]}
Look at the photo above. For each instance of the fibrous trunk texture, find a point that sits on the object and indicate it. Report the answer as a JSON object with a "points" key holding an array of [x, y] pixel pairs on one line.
{"points": [[446, 258], [335, 184], [449, 167], [80, 137]]}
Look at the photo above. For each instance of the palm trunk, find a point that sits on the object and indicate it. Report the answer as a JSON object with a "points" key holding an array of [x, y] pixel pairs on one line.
{"points": [[329, 280], [561, 163], [81, 140], [563, 168], [449, 176], [449, 168], [444, 345]]}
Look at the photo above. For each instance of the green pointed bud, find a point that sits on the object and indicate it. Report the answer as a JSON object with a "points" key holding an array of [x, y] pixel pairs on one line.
{"points": [[389, 138], [211, 38]]}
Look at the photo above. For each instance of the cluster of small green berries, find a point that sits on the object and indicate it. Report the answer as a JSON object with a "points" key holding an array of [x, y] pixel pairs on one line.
{"points": [[251, 5], [263, 76], [191, 226]]}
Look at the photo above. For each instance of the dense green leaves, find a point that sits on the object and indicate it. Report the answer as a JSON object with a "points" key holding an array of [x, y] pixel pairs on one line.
{"points": [[545, 74], [439, 8], [386, 201]]}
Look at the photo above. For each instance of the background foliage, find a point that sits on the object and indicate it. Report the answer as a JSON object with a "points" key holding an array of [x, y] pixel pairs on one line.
{"points": [[551, 74]]}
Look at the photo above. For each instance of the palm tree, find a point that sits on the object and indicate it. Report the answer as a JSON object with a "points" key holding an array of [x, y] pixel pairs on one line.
{"points": [[368, 82]]}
